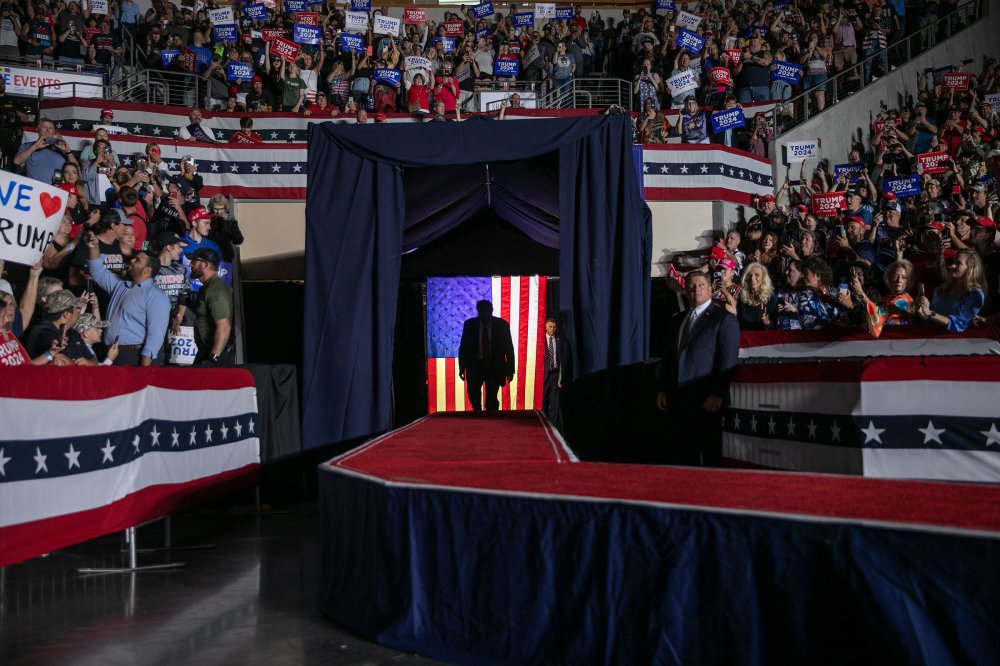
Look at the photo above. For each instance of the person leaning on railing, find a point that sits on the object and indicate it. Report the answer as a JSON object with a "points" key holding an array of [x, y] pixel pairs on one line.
{"points": [[958, 301]]}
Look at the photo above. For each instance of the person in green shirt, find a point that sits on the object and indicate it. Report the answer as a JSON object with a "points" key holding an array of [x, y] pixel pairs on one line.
{"points": [[213, 312], [293, 87]]}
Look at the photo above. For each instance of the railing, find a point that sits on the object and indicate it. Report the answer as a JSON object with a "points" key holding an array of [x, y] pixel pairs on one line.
{"points": [[588, 93], [796, 110]]}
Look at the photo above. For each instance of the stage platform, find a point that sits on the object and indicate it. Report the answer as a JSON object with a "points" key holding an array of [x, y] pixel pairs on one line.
{"points": [[480, 539]]}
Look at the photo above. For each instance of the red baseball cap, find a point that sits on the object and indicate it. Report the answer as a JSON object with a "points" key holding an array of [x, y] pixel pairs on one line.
{"points": [[716, 253], [198, 213], [767, 197], [985, 222], [107, 112]]}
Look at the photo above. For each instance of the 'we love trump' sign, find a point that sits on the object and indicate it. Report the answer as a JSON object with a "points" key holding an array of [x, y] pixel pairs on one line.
{"points": [[30, 213]]}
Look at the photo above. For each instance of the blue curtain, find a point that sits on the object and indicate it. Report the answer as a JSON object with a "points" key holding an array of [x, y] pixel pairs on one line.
{"points": [[357, 227]]}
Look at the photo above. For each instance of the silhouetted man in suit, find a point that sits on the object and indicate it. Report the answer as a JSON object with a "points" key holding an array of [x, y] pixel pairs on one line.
{"points": [[485, 354], [702, 351]]}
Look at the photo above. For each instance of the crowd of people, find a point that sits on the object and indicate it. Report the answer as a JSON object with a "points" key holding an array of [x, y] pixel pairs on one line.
{"points": [[883, 260], [136, 258], [737, 43], [907, 239]]}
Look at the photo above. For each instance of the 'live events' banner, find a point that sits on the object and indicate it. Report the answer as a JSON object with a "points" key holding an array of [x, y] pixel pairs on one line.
{"points": [[125, 446]]}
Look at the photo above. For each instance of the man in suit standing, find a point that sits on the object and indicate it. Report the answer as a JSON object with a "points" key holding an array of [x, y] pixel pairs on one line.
{"points": [[701, 354], [555, 358], [485, 355]]}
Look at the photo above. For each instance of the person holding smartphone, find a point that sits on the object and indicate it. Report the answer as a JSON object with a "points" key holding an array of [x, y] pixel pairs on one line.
{"points": [[54, 333]]}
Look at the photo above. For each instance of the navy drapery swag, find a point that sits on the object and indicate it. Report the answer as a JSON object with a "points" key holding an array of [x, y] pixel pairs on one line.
{"points": [[356, 231]]}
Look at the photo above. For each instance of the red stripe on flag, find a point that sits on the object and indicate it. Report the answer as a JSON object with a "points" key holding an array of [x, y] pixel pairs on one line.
{"points": [[432, 385], [449, 384], [505, 315], [523, 339]]}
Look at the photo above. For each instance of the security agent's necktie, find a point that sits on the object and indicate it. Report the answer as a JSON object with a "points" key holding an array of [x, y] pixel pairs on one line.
{"points": [[550, 353], [686, 330]]}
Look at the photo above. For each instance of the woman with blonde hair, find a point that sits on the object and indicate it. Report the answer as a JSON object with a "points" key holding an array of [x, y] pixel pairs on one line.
{"points": [[896, 308], [757, 307], [960, 298]]}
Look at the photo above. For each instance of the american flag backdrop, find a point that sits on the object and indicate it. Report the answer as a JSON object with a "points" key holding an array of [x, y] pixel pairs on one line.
{"points": [[90, 451], [517, 299]]}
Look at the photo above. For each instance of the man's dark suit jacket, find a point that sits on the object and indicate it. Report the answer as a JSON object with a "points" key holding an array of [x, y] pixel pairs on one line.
{"points": [[501, 363], [705, 365]]}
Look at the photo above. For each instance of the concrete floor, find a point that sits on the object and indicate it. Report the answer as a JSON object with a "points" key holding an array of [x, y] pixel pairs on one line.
{"points": [[249, 599]]}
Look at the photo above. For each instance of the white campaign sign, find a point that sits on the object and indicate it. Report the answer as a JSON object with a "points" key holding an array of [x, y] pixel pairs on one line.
{"points": [[545, 10], [688, 20], [30, 213], [416, 62], [26, 81], [682, 82], [99, 7], [992, 99], [800, 151], [355, 21], [182, 347], [386, 25], [222, 16]]}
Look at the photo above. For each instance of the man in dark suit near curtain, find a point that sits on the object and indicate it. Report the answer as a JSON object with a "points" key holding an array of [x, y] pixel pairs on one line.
{"points": [[556, 371], [702, 351], [485, 355]]}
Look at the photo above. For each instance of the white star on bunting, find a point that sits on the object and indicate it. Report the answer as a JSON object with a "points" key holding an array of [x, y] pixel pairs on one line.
{"points": [[155, 436], [76, 125], [753, 423], [171, 165], [238, 428], [684, 168], [40, 461], [194, 437], [291, 136], [72, 457], [234, 168], [704, 168], [136, 129], [215, 167], [835, 432], [107, 451], [992, 435], [255, 168], [224, 430], [812, 428], [770, 425], [873, 434], [274, 135], [791, 426], [208, 433], [3, 463], [736, 421], [250, 426], [135, 443], [275, 168], [931, 434], [297, 168], [664, 169], [157, 131]]}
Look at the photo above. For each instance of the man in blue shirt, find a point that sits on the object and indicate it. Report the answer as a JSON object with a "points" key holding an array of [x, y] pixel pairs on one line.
{"points": [[138, 311], [45, 155], [197, 236], [128, 16]]}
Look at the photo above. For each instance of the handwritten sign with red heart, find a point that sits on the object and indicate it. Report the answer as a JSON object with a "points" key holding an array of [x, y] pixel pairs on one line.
{"points": [[30, 214], [50, 204]]}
